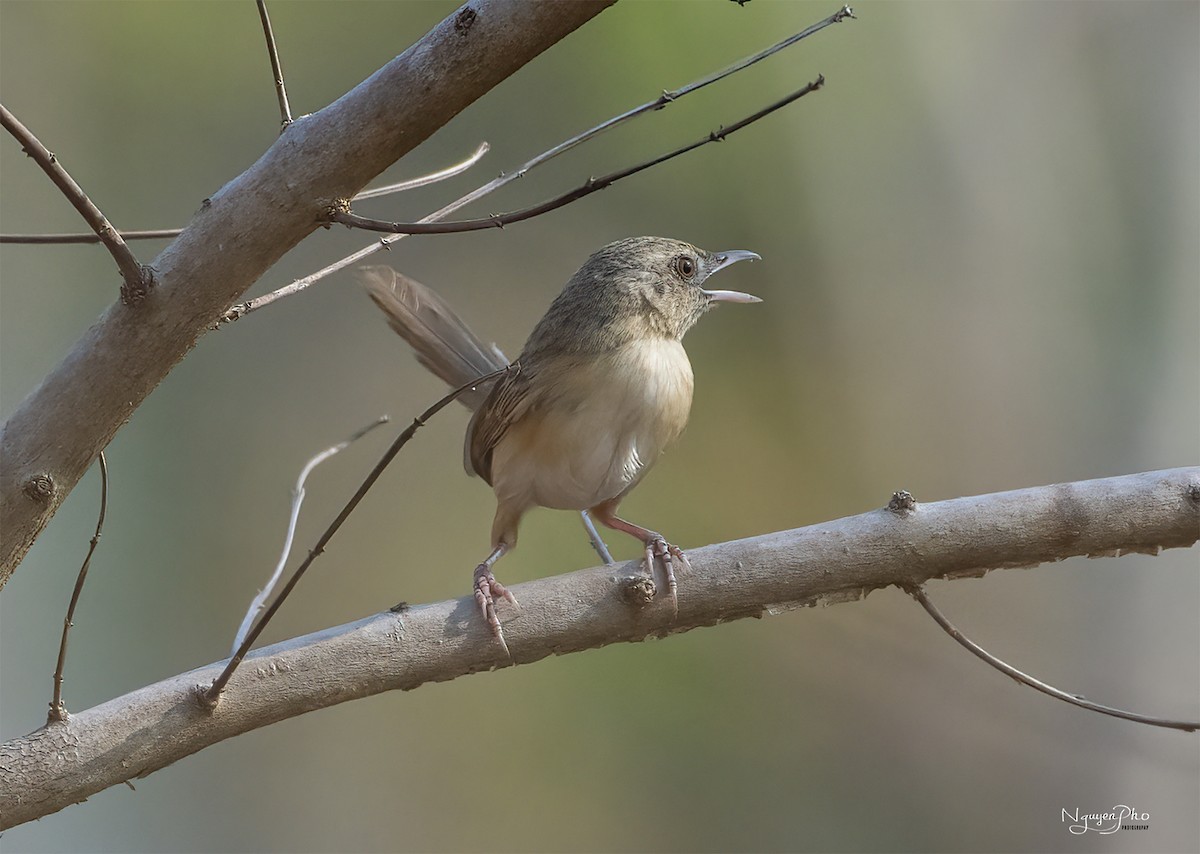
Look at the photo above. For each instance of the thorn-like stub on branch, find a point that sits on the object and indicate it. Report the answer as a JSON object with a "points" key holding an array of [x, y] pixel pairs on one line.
{"points": [[337, 206], [637, 591], [132, 294], [205, 698], [40, 487], [902, 502], [400, 607], [464, 20], [846, 12], [235, 313]]}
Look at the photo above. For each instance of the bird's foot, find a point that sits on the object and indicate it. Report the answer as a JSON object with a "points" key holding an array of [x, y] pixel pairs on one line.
{"points": [[487, 588], [659, 550]]}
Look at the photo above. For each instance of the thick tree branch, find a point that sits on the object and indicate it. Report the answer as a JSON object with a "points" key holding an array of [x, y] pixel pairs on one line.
{"points": [[839, 561], [58, 430]]}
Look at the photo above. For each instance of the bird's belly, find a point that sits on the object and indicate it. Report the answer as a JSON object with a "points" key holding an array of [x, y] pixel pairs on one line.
{"points": [[595, 440]]}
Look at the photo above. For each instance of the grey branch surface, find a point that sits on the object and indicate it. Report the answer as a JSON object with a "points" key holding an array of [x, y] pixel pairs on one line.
{"points": [[244, 228], [838, 561]]}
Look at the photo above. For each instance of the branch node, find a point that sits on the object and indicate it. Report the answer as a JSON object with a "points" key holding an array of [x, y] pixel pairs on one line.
{"points": [[1193, 493], [637, 591], [464, 20], [335, 208], [205, 697], [132, 294], [902, 503], [40, 487]]}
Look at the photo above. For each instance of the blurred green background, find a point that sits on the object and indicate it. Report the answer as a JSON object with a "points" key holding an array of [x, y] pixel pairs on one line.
{"points": [[980, 272]]}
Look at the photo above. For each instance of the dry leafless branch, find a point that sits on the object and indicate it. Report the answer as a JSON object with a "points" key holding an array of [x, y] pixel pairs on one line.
{"points": [[213, 692], [58, 430], [918, 593], [137, 279], [592, 185], [285, 110], [58, 709], [667, 97], [256, 604], [838, 561]]}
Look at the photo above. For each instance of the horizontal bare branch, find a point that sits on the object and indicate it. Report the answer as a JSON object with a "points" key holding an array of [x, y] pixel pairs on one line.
{"points": [[838, 561]]}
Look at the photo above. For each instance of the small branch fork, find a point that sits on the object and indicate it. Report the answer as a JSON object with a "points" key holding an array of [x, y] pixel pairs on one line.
{"points": [[294, 517], [138, 279], [58, 709], [590, 186], [667, 97], [213, 693], [285, 111]]}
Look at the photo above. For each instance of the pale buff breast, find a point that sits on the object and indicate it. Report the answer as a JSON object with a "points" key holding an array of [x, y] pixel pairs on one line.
{"points": [[593, 437]]}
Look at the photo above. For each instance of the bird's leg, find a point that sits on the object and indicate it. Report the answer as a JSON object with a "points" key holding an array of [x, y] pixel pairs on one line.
{"points": [[594, 538], [657, 547], [487, 588]]}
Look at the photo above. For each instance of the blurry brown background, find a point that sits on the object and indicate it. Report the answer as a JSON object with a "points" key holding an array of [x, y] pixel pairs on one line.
{"points": [[980, 273]]}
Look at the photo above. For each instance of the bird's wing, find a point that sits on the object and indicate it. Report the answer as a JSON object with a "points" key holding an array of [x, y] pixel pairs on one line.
{"points": [[443, 342], [507, 402]]}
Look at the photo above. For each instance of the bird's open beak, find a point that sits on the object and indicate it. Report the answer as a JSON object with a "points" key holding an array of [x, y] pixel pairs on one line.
{"points": [[721, 260]]}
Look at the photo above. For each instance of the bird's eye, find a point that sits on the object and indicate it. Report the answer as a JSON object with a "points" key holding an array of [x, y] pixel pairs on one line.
{"points": [[685, 266]]}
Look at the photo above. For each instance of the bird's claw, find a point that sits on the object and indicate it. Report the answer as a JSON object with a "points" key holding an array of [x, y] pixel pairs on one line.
{"points": [[659, 550], [487, 588]]}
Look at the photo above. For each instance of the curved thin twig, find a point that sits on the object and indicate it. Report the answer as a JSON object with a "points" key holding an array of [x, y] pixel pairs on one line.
{"points": [[58, 709], [256, 603], [213, 693], [918, 593], [137, 279], [426, 180]]}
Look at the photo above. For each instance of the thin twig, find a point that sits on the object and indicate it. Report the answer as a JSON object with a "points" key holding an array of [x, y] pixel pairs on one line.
{"points": [[137, 279], [297, 499], [590, 186], [58, 709], [214, 691], [88, 237], [918, 593], [160, 233], [426, 180], [244, 308], [285, 111]]}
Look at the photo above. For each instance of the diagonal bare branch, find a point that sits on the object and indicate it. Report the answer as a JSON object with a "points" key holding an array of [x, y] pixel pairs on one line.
{"points": [[137, 279], [57, 431], [832, 562], [667, 97]]}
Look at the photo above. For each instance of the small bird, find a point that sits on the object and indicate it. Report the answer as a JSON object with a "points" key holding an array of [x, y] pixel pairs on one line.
{"points": [[601, 388]]}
